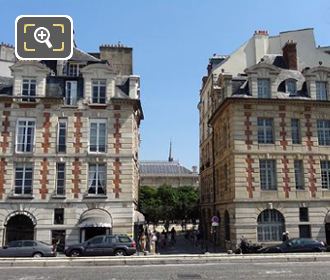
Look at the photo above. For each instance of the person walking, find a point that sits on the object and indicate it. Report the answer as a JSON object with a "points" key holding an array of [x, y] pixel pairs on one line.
{"points": [[173, 236], [285, 236], [153, 244]]}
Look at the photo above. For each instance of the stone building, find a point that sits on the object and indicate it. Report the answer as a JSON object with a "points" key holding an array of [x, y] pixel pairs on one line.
{"points": [[265, 140], [69, 142]]}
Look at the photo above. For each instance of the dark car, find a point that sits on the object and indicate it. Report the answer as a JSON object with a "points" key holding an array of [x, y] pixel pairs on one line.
{"points": [[296, 245], [103, 245], [27, 248]]}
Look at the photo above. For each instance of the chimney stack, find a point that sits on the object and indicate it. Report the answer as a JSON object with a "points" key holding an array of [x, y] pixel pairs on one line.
{"points": [[290, 55]]}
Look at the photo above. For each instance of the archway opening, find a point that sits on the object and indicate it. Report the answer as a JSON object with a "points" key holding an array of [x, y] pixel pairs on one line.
{"points": [[271, 225], [227, 226], [19, 227]]}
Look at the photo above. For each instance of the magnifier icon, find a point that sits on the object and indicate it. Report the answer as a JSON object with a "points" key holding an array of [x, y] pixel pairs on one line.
{"points": [[41, 35]]}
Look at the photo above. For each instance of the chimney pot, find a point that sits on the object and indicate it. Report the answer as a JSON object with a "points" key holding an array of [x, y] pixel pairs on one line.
{"points": [[290, 55]]}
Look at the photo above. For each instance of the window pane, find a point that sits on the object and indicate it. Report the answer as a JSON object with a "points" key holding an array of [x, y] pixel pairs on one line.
{"points": [[321, 90], [264, 88], [299, 174], [295, 131]]}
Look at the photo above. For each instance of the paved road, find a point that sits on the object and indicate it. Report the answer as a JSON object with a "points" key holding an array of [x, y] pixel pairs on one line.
{"points": [[224, 271]]}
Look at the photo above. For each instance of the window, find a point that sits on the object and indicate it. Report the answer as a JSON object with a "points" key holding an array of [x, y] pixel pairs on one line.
{"points": [[295, 131], [73, 69], [124, 239], [29, 89], [99, 91], [25, 136], [96, 240], [323, 132], [58, 216], [29, 243], [267, 174], [270, 225], [60, 178], [291, 86], [264, 88], [305, 231], [23, 178], [299, 174], [303, 214], [97, 136], [325, 174], [71, 93], [15, 244], [97, 179], [321, 90], [61, 136], [265, 131]]}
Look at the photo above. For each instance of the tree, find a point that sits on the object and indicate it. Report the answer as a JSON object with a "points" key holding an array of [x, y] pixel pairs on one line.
{"points": [[167, 204]]}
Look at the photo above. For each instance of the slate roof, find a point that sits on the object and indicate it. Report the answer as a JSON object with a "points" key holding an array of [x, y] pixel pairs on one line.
{"points": [[163, 168], [79, 55]]}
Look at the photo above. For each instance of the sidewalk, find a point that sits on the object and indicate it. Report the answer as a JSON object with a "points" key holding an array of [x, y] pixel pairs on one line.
{"points": [[186, 246]]}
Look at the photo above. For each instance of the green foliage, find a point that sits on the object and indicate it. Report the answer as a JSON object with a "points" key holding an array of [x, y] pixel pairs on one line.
{"points": [[168, 204]]}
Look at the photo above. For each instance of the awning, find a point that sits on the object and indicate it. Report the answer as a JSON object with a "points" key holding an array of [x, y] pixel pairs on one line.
{"points": [[95, 218], [138, 218]]}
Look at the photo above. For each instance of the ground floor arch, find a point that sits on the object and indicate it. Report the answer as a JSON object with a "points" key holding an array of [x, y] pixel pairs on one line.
{"points": [[271, 225], [94, 222], [19, 226]]}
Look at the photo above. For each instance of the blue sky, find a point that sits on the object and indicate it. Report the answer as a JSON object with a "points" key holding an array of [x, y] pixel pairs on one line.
{"points": [[172, 42]]}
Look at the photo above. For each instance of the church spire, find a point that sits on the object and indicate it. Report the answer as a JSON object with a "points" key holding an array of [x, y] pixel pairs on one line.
{"points": [[170, 153]]}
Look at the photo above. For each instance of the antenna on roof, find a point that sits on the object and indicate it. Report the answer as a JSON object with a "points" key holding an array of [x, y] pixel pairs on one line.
{"points": [[170, 159]]}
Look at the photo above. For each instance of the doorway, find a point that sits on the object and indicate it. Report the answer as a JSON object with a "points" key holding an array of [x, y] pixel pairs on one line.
{"points": [[327, 233], [94, 231], [19, 227]]}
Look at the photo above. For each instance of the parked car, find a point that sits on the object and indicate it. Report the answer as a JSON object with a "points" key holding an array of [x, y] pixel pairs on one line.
{"points": [[296, 245], [103, 245], [27, 248]]}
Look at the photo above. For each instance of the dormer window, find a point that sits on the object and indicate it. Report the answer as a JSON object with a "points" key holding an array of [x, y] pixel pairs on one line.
{"points": [[321, 90], [264, 88], [29, 89], [72, 69], [291, 86], [99, 91]]}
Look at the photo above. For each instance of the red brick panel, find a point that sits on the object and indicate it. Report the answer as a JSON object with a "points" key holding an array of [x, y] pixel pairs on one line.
{"points": [[44, 178], [5, 132], [46, 134], [311, 176], [249, 178], [248, 131], [117, 134], [3, 164], [76, 171], [286, 178], [283, 133], [309, 133], [77, 134], [117, 180]]}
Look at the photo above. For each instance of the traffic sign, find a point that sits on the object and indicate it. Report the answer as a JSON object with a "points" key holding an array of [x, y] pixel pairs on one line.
{"points": [[215, 219]]}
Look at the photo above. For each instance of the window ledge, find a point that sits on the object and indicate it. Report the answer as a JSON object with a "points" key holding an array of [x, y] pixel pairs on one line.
{"points": [[21, 196], [98, 196], [98, 105], [70, 106], [59, 196]]}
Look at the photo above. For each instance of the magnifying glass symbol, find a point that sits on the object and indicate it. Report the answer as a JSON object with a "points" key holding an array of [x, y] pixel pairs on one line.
{"points": [[41, 35]]}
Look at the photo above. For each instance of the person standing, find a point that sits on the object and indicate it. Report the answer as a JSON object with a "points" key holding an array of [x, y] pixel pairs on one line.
{"points": [[173, 236], [285, 236]]}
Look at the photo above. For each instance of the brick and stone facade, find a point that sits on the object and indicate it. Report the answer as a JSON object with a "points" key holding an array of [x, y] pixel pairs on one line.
{"points": [[266, 167], [64, 93]]}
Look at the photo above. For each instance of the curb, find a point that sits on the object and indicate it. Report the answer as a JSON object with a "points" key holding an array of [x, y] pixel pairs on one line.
{"points": [[161, 260]]}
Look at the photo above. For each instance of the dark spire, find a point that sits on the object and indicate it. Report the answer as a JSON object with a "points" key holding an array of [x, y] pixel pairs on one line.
{"points": [[170, 153]]}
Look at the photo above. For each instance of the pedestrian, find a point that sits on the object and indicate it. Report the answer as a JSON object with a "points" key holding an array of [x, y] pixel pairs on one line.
{"points": [[285, 236], [153, 245], [163, 239], [173, 236], [143, 242]]}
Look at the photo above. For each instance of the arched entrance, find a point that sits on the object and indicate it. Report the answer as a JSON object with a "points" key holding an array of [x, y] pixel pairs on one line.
{"points": [[227, 226], [19, 227], [94, 222], [271, 225]]}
